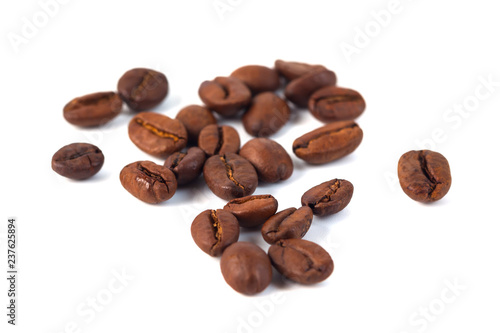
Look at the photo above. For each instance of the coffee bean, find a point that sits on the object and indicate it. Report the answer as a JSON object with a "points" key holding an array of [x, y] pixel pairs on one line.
{"points": [[289, 223], [93, 109], [157, 134], [195, 118], [299, 90], [230, 176], [334, 103], [142, 89], [301, 261], [246, 268], [252, 210], [424, 175], [266, 115], [329, 197], [225, 95], [329, 142], [186, 166], [218, 140], [78, 161], [291, 70], [258, 78], [214, 230], [269, 158], [149, 182]]}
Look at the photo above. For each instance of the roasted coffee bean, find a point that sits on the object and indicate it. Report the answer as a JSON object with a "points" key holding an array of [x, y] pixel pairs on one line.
{"points": [[157, 134], [266, 115], [246, 268], [218, 140], [424, 175], [214, 230], [289, 223], [269, 158], [252, 210], [93, 109], [149, 182], [230, 176], [225, 95], [329, 197], [195, 118], [142, 89], [258, 78], [78, 161], [301, 261], [291, 70], [186, 166], [334, 103], [329, 142], [299, 90]]}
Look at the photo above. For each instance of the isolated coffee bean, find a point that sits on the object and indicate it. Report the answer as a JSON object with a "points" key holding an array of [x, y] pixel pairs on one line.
{"points": [[289, 223], [299, 90], [93, 109], [329, 197], [149, 182], [246, 268], [258, 78], [214, 230], [230, 176], [334, 103], [218, 140], [301, 261], [195, 118], [269, 158], [225, 95], [186, 166], [291, 70], [329, 142], [78, 161], [266, 115], [142, 89], [157, 134], [252, 210], [424, 175]]}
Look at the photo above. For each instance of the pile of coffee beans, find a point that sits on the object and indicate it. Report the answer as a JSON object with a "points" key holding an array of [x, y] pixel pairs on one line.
{"points": [[195, 143]]}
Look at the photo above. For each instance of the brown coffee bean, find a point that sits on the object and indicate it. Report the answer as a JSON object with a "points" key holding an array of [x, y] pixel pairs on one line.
{"points": [[148, 182], [301, 261], [424, 175], [93, 109], [186, 166], [289, 223], [299, 90], [334, 103], [269, 158], [329, 197], [142, 88], [214, 230], [225, 95], [291, 70], [258, 78], [329, 142], [78, 161], [252, 210], [246, 268], [230, 176], [219, 140], [157, 134], [195, 118], [266, 115]]}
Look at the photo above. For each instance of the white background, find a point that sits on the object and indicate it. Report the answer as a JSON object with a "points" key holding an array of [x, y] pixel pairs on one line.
{"points": [[394, 258]]}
